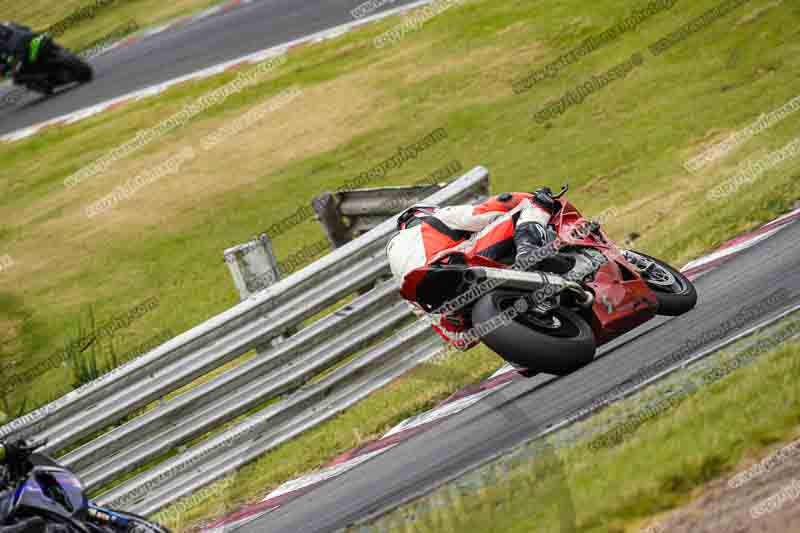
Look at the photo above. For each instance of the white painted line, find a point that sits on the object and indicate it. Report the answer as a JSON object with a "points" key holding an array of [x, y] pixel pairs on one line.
{"points": [[444, 411], [732, 250], [324, 474]]}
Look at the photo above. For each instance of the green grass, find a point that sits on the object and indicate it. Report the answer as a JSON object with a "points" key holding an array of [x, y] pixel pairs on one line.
{"points": [[657, 467], [623, 147]]}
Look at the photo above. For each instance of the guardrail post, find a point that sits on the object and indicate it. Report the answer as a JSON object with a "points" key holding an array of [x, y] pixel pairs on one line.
{"points": [[326, 206], [254, 268]]}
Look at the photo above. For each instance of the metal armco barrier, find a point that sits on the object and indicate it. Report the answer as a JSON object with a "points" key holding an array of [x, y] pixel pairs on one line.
{"points": [[348, 214], [375, 326]]}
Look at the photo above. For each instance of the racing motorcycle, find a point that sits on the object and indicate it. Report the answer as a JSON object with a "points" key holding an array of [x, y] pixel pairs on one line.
{"points": [[50, 66], [45, 497], [553, 322]]}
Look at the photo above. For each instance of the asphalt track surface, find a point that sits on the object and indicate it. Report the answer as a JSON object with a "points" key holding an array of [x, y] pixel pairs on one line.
{"points": [[186, 49], [518, 412]]}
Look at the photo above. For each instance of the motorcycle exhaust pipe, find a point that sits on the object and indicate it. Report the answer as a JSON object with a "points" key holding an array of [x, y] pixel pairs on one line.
{"points": [[528, 281]]}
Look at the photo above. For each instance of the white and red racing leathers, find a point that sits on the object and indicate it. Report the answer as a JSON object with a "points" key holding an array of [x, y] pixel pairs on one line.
{"points": [[458, 229]]}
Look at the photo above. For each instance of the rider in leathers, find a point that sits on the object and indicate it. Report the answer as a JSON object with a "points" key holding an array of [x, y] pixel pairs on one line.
{"points": [[13, 458], [428, 232], [15, 42]]}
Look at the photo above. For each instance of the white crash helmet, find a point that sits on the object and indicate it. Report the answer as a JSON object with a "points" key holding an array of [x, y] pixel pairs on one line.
{"points": [[415, 211]]}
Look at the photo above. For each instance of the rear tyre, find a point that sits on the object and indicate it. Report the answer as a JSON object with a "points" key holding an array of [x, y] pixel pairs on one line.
{"points": [[676, 295], [558, 343], [82, 70], [79, 70]]}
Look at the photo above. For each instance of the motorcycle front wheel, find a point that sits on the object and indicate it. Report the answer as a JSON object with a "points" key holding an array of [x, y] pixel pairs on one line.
{"points": [[676, 295], [558, 343]]}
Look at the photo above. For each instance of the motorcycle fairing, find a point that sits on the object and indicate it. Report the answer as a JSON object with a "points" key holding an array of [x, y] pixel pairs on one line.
{"points": [[625, 300], [53, 490]]}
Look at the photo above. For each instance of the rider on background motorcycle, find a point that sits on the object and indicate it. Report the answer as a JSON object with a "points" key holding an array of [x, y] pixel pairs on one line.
{"points": [[429, 233], [15, 42], [14, 458]]}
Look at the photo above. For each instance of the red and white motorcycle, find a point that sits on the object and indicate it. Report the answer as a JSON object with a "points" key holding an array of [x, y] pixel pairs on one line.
{"points": [[548, 322]]}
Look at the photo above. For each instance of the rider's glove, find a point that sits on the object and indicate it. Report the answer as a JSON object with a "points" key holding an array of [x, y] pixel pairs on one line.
{"points": [[544, 198]]}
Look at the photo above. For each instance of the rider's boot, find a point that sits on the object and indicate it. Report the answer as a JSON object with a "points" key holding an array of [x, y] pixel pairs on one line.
{"points": [[533, 252]]}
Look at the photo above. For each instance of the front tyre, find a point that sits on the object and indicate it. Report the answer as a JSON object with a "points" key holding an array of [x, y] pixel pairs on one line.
{"points": [[558, 343], [676, 295]]}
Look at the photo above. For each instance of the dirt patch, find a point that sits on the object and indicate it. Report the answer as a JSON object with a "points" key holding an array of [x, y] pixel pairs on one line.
{"points": [[732, 506]]}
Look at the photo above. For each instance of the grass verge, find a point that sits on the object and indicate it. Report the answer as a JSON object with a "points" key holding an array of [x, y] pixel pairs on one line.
{"points": [[661, 464]]}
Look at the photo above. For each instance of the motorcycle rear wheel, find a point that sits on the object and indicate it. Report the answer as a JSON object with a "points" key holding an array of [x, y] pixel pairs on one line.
{"points": [[559, 343], [80, 70]]}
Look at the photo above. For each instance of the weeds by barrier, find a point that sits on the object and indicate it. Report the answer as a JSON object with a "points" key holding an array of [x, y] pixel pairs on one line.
{"points": [[116, 323], [142, 348], [591, 44], [35, 421]]}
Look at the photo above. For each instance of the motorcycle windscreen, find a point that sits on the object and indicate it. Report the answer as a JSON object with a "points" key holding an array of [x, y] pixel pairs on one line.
{"points": [[52, 490]]}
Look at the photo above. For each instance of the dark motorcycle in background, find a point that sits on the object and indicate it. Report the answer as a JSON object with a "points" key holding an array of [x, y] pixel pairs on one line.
{"points": [[44, 497], [50, 66]]}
